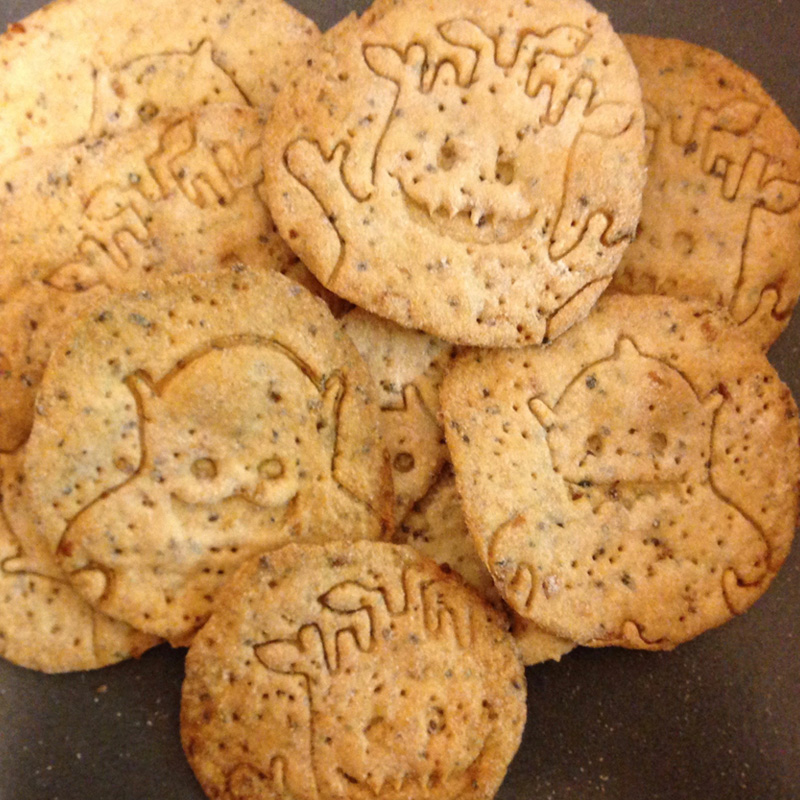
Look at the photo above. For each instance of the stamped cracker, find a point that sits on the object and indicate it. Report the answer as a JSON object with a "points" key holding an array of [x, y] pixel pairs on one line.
{"points": [[351, 671], [80, 69], [473, 169], [182, 193], [182, 428], [721, 208], [408, 367], [636, 482]]}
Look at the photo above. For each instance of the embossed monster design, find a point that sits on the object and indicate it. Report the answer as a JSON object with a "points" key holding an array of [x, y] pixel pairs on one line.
{"points": [[123, 222], [408, 736], [138, 90], [707, 184], [185, 178], [238, 456], [482, 183], [637, 472], [470, 181]]}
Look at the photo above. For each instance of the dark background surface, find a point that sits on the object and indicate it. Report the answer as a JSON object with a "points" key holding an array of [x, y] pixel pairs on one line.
{"points": [[717, 719]]}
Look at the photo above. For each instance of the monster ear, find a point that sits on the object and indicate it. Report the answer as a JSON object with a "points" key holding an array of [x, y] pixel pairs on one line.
{"points": [[739, 117], [565, 41], [331, 399], [543, 413], [608, 120], [143, 389], [302, 656], [780, 196], [345, 597], [388, 63], [763, 323], [625, 348], [713, 402]]}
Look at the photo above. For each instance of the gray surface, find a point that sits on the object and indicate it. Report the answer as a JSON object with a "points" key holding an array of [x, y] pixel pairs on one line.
{"points": [[717, 719]]}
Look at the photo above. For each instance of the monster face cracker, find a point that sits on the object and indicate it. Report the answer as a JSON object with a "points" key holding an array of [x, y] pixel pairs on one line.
{"points": [[234, 417], [408, 367], [86, 68], [721, 209], [636, 482], [472, 170], [351, 670]]}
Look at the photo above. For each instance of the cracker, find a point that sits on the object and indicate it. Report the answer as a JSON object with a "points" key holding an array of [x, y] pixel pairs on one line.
{"points": [[86, 68], [721, 209], [472, 170], [348, 671], [535, 644], [408, 367], [182, 428], [182, 193], [636, 482], [44, 623]]}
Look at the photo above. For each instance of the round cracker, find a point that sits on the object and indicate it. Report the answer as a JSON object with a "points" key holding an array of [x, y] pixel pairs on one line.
{"points": [[473, 170], [636, 482], [721, 208], [182, 428], [349, 671]]}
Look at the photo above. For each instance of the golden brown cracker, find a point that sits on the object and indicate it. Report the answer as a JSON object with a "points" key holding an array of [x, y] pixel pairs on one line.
{"points": [[636, 482], [537, 645], [184, 427], [407, 367], [721, 208], [84, 68], [347, 671], [473, 170]]}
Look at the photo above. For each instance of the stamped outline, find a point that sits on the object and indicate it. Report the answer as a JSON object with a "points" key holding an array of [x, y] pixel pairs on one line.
{"points": [[362, 620], [716, 143], [323, 172], [523, 585]]}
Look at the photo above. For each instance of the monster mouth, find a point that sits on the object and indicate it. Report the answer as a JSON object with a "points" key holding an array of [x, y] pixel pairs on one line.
{"points": [[628, 492], [468, 224], [230, 509]]}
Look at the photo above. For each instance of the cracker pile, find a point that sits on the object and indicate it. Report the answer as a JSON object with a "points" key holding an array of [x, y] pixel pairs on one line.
{"points": [[203, 441]]}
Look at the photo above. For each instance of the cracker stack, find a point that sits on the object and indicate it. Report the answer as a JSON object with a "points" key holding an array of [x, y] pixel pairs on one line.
{"points": [[193, 448]]}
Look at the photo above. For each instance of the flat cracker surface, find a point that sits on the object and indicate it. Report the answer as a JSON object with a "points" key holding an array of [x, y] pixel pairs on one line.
{"points": [[472, 170], [348, 671], [86, 68], [721, 208], [635, 483], [182, 428]]}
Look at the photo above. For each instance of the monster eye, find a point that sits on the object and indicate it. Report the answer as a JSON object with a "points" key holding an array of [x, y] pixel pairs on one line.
{"points": [[270, 469], [448, 156], [403, 462], [204, 468], [504, 171], [594, 444], [658, 441]]}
